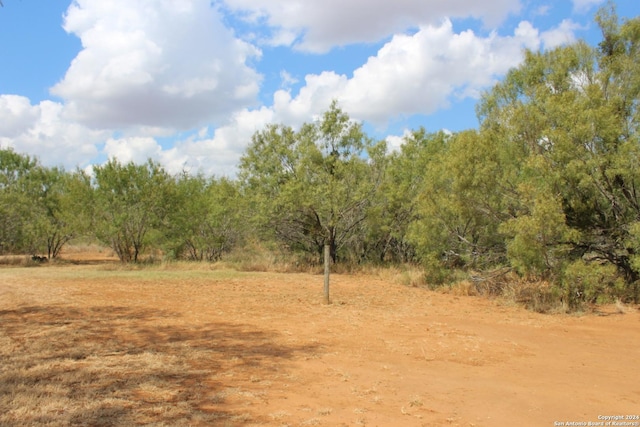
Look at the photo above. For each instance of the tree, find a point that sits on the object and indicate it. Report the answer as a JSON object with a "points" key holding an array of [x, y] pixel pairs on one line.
{"points": [[205, 223], [14, 202], [131, 205], [59, 208], [397, 208], [464, 197], [573, 114], [311, 189]]}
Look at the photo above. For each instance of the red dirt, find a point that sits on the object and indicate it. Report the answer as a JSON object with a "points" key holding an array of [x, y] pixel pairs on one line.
{"points": [[382, 354]]}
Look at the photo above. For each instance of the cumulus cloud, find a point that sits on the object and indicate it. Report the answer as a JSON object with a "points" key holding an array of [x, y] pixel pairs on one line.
{"points": [[413, 74], [211, 153], [395, 142], [583, 6], [419, 73], [562, 34], [542, 10], [41, 130], [132, 149], [17, 115], [150, 67], [321, 25], [219, 153], [287, 79], [163, 63]]}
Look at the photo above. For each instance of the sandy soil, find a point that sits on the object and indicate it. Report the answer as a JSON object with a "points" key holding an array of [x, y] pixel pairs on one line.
{"points": [[262, 349]]}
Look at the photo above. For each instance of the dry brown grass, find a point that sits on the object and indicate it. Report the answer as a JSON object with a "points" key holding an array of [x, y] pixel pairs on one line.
{"points": [[202, 344], [407, 275], [119, 366], [15, 260]]}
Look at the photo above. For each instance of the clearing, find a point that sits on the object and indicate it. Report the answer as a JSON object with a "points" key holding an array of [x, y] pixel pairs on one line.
{"points": [[103, 345]]}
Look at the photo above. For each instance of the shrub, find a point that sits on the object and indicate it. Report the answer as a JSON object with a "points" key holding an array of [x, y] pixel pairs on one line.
{"points": [[538, 296], [590, 282]]}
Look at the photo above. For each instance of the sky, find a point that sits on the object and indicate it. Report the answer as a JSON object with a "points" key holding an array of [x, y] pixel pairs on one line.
{"points": [[188, 82]]}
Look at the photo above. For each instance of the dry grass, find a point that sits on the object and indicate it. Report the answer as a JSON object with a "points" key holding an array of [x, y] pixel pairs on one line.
{"points": [[182, 344], [464, 288], [15, 260], [535, 295], [65, 366], [622, 308], [411, 276]]}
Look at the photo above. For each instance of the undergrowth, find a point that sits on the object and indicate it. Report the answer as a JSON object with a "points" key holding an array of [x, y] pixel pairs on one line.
{"points": [[581, 288]]}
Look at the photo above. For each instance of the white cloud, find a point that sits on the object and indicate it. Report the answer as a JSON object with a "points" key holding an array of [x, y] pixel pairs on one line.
{"points": [[149, 67], [583, 6], [412, 74], [42, 131], [216, 154], [321, 25], [219, 154], [313, 98], [562, 34], [138, 150], [133, 149], [542, 10], [17, 115], [287, 79], [419, 73], [162, 63], [394, 142]]}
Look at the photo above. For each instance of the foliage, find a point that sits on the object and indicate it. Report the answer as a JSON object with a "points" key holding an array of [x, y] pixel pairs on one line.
{"points": [[538, 237], [14, 201], [41, 208], [206, 222], [590, 282], [396, 205], [461, 205], [546, 189], [313, 186], [573, 113], [60, 211], [131, 204]]}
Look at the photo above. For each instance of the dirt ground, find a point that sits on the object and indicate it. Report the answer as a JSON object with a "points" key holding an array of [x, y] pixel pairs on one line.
{"points": [[97, 345]]}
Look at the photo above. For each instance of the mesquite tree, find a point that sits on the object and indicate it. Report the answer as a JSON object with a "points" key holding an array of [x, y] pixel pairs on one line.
{"points": [[312, 188], [131, 205]]}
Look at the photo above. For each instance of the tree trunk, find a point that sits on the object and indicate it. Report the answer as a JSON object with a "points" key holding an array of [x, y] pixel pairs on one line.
{"points": [[327, 262]]}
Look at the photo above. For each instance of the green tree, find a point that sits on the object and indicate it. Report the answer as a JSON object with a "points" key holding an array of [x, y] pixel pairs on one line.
{"points": [[313, 185], [59, 208], [573, 114], [206, 222], [15, 206], [396, 207], [311, 189], [464, 197], [131, 206]]}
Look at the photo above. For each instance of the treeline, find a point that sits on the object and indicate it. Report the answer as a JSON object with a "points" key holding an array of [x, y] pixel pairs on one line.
{"points": [[547, 187]]}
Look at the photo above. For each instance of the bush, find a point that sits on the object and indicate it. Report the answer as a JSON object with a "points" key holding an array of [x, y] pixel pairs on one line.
{"points": [[435, 273], [590, 282], [538, 296]]}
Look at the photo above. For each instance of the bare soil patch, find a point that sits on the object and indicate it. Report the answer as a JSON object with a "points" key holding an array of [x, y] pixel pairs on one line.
{"points": [[100, 345]]}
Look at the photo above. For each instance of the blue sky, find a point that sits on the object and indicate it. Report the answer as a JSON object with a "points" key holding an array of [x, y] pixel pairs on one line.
{"points": [[187, 82]]}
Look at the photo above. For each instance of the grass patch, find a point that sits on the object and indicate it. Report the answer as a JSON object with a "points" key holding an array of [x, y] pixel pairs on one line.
{"points": [[156, 272], [15, 261], [97, 366]]}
